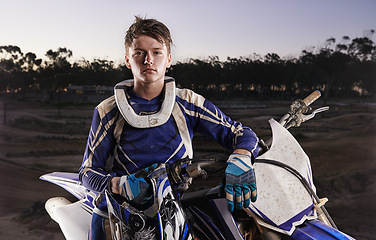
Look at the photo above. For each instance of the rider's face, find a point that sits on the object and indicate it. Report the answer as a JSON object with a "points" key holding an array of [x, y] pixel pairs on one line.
{"points": [[148, 59]]}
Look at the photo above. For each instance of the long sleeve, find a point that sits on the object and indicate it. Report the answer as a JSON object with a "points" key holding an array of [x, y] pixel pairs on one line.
{"points": [[99, 147], [213, 123]]}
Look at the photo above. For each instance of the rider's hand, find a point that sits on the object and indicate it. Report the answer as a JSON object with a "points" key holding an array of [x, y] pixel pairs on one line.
{"points": [[240, 181], [134, 189]]}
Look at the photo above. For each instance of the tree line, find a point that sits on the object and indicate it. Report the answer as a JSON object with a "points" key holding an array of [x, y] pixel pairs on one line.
{"points": [[341, 69]]}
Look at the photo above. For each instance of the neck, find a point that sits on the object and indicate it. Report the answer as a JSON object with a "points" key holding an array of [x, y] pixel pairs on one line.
{"points": [[148, 90]]}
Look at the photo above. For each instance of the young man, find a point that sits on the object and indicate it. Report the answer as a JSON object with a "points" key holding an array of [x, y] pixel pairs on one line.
{"points": [[150, 121]]}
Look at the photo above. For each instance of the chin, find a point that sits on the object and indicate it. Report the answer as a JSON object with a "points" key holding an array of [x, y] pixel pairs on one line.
{"points": [[152, 79]]}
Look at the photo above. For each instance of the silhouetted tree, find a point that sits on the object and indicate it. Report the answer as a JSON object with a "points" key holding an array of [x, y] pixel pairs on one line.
{"points": [[56, 72], [11, 68], [334, 66], [343, 69]]}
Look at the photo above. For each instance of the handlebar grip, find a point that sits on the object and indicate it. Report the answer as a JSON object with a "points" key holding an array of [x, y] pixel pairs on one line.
{"points": [[312, 97]]}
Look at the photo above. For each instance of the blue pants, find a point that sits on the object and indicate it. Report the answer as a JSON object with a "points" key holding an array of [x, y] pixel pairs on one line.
{"points": [[97, 231]]}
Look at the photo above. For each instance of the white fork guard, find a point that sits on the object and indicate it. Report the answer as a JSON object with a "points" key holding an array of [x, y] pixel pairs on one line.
{"points": [[282, 200]]}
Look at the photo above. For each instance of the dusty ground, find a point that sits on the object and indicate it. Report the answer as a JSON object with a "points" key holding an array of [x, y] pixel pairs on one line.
{"points": [[37, 139]]}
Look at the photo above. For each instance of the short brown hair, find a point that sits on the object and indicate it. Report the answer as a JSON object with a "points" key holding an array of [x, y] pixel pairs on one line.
{"points": [[151, 28]]}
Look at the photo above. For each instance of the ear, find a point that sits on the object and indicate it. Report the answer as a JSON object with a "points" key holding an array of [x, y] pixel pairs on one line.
{"points": [[169, 59], [127, 61]]}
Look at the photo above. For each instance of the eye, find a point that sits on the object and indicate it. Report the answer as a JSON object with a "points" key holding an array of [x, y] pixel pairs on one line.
{"points": [[138, 53]]}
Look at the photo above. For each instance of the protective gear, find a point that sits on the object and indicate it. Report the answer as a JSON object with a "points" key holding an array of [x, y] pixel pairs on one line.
{"points": [[240, 181], [132, 149], [135, 187], [150, 120]]}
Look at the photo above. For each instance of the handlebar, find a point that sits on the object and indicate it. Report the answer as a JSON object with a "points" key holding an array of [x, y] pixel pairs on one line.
{"points": [[295, 115], [183, 171], [312, 97]]}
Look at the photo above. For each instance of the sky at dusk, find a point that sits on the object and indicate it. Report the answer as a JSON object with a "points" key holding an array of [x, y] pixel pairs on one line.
{"points": [[199, 28]]}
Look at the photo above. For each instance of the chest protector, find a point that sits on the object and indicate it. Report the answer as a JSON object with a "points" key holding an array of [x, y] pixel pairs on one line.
{"points": [[150, 120], [169, 107]]}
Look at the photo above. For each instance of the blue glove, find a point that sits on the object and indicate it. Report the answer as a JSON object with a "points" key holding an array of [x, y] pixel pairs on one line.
{"points": [[135, 187], [240, 181]]}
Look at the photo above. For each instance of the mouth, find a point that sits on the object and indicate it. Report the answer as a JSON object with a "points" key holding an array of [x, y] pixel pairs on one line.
{"points": [[149, 70]]}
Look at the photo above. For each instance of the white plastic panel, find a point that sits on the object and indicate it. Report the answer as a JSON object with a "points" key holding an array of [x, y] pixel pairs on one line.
{"points": [[74, 219], [281, 196]]}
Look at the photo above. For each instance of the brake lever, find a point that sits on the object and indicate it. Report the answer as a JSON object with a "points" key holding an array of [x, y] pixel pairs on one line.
{"points": [[297, 119], [293, 117], [312, 115]]}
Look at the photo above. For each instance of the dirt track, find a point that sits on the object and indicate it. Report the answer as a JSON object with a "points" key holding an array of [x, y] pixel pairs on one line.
{"points": [[36, 140]]}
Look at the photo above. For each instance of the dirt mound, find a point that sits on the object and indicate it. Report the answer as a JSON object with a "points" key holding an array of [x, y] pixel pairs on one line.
{"points": [[353, 125]]}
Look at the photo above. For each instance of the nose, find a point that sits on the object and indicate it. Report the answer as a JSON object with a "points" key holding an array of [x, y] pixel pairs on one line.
{"points": [[148, 59]]}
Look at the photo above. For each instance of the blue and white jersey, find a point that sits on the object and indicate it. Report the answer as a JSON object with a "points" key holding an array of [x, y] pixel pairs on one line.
{"points": [[131, 149]]}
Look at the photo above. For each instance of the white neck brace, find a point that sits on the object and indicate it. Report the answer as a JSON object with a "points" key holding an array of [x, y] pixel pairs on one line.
{"points": [[145, 121]]}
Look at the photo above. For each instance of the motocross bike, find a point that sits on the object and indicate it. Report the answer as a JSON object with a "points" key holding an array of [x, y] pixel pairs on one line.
{"points": [[287, 206]]}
